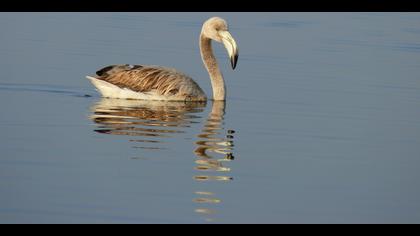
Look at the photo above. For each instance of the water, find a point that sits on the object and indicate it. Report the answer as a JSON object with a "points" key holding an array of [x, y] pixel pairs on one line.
{"points": [[321, 124]]}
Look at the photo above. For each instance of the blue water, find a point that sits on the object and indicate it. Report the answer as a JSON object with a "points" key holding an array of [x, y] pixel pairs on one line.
{"points": [[320, 125]]}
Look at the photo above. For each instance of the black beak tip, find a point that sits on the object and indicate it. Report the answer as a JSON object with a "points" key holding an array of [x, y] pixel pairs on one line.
{"points": [[233, 61]]}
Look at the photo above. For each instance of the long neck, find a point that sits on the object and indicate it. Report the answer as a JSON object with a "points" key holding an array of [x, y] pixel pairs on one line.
{"points": [[217, 82]]}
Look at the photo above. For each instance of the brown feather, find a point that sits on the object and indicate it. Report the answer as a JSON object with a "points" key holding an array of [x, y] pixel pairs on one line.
{"points": [[163, 80]]}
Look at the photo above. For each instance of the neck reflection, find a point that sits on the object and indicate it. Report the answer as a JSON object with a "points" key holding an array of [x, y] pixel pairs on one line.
{"points": [[214, 150], [148, 125]]}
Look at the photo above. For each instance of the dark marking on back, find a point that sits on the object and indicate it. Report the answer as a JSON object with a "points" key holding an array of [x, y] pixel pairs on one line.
{"points": [[104, 70], [136, 67]]}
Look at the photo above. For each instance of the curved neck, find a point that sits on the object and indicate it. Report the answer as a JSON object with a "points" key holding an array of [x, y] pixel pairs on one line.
{"points": [[217, 82]]}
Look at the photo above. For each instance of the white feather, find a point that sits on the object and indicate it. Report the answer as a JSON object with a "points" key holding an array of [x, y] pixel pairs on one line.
{"points": [[109, 90]]}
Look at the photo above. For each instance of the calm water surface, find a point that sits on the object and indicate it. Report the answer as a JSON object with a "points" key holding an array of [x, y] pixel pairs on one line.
{"points": [[321, 124]]}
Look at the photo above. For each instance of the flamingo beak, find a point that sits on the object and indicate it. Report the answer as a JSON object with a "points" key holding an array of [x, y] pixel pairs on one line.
{"points": [[231, 47]]}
